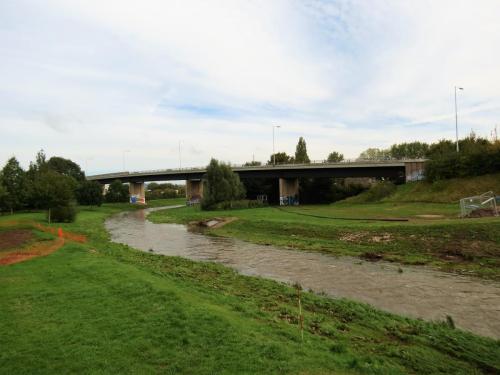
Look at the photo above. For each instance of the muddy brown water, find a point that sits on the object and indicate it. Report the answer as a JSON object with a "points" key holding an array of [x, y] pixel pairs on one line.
{"points": [[416, 292]]}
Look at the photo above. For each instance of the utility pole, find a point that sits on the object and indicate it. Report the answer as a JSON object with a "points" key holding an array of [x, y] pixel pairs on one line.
{"points": [[274, 154], [456, 116], [123, 158], [180, 155]]}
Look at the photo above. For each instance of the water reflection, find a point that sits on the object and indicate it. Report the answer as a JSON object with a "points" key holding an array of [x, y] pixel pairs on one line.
{"points": [[417, 292]]}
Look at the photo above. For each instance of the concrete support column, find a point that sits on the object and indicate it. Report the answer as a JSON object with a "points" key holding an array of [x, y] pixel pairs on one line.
{"points": [[289, 191], [194, 190], [414, 170], [137, 192]]}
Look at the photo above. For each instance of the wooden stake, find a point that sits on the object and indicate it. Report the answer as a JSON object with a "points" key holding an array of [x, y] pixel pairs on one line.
{"points": [[301, 317]]}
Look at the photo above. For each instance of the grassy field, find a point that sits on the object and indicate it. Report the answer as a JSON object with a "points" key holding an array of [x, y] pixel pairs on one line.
{"points": [[100, 307], [446, 191], [433, 234]]}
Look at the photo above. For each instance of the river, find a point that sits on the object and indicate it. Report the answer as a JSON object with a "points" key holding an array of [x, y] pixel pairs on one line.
{"points": [[417, 292]]}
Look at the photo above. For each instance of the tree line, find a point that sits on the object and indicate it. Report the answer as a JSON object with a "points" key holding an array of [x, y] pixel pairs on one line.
{"points": [[155, 190], [55, 185], [476, 156]]}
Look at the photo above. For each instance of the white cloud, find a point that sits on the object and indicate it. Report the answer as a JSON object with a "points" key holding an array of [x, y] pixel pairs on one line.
{"points": [[89, 79]]}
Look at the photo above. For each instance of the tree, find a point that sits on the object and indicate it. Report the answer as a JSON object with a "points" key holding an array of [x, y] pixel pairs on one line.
{"points": [[3, 194], [117, 192], [412, 150], [15, 184], [221, 185], [441, 148], [280, 158], [477, 156], [89, 193], [301, 152], [54, 191], [66, 167], [165, 190], [252, 163], [375, 154], [335, 157]]}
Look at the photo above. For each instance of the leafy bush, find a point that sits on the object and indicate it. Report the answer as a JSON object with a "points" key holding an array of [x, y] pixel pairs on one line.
{"points": [[164, 190], [63, 214], [221, 185], [477, 157], [117, 192], [89, 193]]}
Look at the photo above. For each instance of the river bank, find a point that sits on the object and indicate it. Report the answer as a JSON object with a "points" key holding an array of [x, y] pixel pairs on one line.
{"points": [[105, 307], [433, 235]]}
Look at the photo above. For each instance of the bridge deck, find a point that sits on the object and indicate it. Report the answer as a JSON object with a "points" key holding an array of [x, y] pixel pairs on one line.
{"points": [[390, 168]]}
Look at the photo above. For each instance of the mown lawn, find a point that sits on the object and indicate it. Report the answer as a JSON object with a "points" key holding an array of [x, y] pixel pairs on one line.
{"points": [[433, 234], [101, 307]]}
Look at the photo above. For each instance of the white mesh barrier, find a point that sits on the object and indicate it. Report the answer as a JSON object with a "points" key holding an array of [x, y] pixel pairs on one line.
{"points": [[479, 204]]}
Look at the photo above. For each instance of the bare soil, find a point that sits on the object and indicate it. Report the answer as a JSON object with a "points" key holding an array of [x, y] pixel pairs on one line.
{"points": [[14, 238], [16, 244], [215, 222], [482, 212], [35, 250]]}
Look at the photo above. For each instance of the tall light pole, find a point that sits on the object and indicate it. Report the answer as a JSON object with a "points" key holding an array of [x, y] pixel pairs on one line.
{"points": [[274, 155], [123, 158], [456, 115], [180, 158]]}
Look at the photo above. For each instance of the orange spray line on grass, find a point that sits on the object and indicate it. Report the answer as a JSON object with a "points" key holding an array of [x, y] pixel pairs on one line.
{"points": [[39, 248]]}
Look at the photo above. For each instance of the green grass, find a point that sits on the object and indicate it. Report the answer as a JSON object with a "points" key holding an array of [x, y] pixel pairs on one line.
{"points": [[165, 202], [446, 190], [103, 308], [468, 246]]}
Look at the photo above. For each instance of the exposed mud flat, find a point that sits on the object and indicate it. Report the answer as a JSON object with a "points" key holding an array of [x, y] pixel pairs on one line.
{"points": [[417, 292]]}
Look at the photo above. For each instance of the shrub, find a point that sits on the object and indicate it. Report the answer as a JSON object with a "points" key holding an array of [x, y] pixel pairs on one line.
{"points": [[477, 156], [63, 214], [117, 192], [89, 193], [222, 185]]}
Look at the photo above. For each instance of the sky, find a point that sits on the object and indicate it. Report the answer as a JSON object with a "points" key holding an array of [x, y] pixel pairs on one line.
{"points": [[151, 84]]}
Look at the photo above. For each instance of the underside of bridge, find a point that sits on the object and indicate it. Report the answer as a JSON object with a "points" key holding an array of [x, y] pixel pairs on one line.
{"points": [[286, 176]]}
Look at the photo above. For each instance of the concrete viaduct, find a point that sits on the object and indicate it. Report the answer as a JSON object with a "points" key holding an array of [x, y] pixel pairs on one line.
{"points": [[288, 175]]}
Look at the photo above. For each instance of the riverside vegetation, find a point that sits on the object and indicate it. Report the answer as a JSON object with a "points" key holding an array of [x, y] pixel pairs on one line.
{"points": [[433, 234], [102, 307]]}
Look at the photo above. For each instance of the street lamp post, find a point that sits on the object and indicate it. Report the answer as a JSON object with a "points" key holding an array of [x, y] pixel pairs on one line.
{"points": [[180, 156], [274, 155], [456, 116], [123, 158]]}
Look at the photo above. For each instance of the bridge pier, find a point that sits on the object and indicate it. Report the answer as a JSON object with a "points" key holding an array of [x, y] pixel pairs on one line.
{"points": [[289, 191], [137, 192], [194, 189], [414, 170]]}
